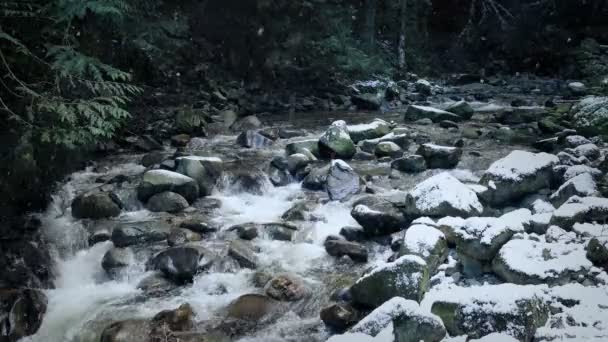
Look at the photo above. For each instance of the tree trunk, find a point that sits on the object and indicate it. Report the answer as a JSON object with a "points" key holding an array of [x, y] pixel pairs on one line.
{"points": [[402, 31], [369, 30]]}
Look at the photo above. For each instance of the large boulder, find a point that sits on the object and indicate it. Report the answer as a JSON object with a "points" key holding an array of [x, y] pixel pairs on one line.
{"points": [[405, 277], [128, 234], [516, 175], [21, 313], [336, 142], [204, 170], [167, 201], [157, 181], [414, 113], [410, 322], [582, 185], [481, 310], [117, 259], [375, 129], [442, 195], [342, 181], [95, 206], [590, 115], [180, 263], [439, 157], [378, 216], [531, 262], [427, 242], [580, 209]]}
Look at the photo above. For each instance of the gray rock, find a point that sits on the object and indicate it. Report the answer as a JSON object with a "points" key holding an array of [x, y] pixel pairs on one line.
{"points": [[157, 181], [597, 252], [168, 202], [279, 231], [21, 313], [252, 307], [253, 139], [95, 206], [116, 259], [132, 330], [247, 123], [204, 170], [338, 247], [312, 145], [286, 288], [243, 254], [342, 181], [589, 115], [388, 149], [462, 109], [367, 101], [411, 164], [427, 242], [336, 142], [405, 277], [297, 161], [448, 124], [180, 263], [138, 233], [375, 129], [414, 113], [339, 316], [440, 157], [153, 158], [279, 177], [180, 236], [378, 216]]}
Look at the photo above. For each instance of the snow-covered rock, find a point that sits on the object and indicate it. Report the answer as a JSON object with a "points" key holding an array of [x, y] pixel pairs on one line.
{"points": [[589, 151], [531, 262], [405, 277], [576, 140], [582, 185], [573, 171], [427, 242], [378, 216], [405, 316], [442, 195], [590, 114], [580, 209], [516, 175], [414, 113], [477, 311], [373, 130], [342, 181], [440, 157]]}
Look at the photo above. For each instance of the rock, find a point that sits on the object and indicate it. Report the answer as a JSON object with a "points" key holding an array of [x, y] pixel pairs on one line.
{"points": [[180, 236], [198, 226], [549, 126], [229, 117], [180, 319], [468, 310], [253, 139], [132, 330], [167, 201], [312, 145], [336, 142], [405, 277], [496, 337], [251, 307], [116, 259], [442, 195], [285, 287], [155, 284], [462, 109], [206, 171], [247, 231], [375, 129], [190, 121], [279, 177], [279, 231], [414, 113], [531, 262], [369, 145], [546, 145], [582, 185], [597, 252], [448, 124], [423, 87], [576, 140], [520, 115], [297, 161], [152, 158], [243, 254], [367, 101], [518, 174], [180, 263], [580, 209], [427, 242], [95, 206], [300, 211], [250, 122], [577, 88], [424, 122], [573, 171], [342, 181], [411, 164], [157, 181], [138, 233], [339, 247], [404, 315], [378, 216], [180, 140], [388, 149], [439, 157], [339, 316], [589, 151], [589, 115], [21, 313]]}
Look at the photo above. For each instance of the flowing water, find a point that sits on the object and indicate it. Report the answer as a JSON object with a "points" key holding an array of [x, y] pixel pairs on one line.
{"points": [[86, 300]]}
